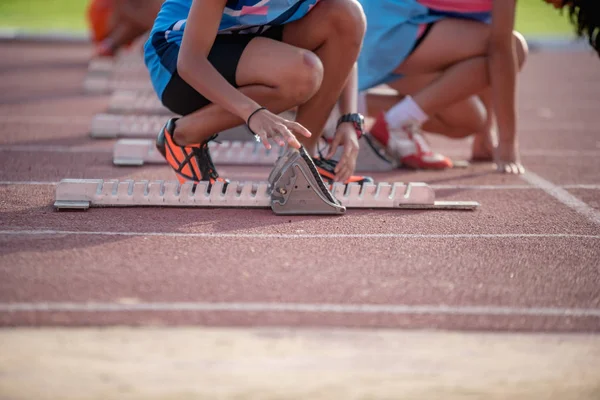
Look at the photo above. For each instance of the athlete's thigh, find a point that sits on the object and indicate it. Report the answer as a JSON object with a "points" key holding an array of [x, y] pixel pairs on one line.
{"points": [[327, 18], [448, 42], [270, 62]]}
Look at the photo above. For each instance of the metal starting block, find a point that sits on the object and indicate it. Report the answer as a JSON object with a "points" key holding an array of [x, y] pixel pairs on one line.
{"points": [[140, 102], [133, 62], [102, 82], [294, 187], [113, 125], [137, 152], [134, 152]]}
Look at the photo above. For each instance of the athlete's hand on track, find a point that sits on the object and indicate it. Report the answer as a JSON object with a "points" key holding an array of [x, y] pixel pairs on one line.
{"points": [[507, 160], [345, 136], [267, 125]]}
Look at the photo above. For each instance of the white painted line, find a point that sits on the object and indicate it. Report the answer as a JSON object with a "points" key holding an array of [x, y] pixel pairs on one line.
{"points": [[560, 153], [45, 232], [563, 196], [301, 307], [586, 187]]}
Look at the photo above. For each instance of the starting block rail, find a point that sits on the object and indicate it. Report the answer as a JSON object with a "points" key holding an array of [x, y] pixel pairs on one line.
{"points": [[113, 125], [133, 152], [86, 193], [133, 63], [137, 152], [137, 102], [294, 187], [99, 83]]}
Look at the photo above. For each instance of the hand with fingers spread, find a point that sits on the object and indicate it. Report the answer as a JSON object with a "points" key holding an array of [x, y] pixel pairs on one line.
{"points": [[507, 160], [345, 136], [265, 125]]}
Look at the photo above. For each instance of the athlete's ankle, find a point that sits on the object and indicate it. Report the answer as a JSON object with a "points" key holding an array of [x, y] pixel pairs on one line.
{"points": [[406, 111]]}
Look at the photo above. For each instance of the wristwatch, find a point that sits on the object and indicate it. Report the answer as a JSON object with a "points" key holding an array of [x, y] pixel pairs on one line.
{"points": [[358, 121]]}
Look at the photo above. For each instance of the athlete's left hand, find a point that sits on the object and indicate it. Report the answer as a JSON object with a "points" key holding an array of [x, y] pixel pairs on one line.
{"points": [[345, 136]]}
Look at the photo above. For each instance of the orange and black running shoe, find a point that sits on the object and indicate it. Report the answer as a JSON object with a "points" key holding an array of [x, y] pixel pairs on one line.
{"points": [[190, 163], [326, 169]]}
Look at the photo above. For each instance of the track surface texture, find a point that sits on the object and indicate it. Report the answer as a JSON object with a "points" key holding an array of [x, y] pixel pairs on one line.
{"points": [[523, 249], [527, 261]]}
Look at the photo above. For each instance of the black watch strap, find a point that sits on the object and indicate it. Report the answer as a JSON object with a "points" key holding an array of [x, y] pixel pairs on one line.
{"points": [[357, 120]]}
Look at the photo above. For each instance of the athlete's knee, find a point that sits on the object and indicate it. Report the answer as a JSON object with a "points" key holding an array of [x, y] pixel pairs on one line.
{"points": [[304, 80], [522, 48], [347, 19]]}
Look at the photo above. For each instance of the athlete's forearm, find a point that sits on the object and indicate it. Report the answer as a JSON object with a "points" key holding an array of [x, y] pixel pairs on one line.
{"points": [[348, 102], [503, 76]]}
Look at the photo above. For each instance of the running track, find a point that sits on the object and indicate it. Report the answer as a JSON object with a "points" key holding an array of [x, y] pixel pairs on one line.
{"points": [[528, 260]]}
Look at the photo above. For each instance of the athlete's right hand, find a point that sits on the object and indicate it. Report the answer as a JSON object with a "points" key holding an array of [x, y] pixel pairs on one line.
{"points": [[507, 159], [267, 125]]}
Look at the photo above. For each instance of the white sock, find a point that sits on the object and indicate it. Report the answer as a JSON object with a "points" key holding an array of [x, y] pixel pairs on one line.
{"points": [[406, 111]]}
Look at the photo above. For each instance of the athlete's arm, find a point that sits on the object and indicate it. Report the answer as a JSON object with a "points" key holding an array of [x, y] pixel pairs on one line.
{"points": [[503, 67], [193, 65], [345, 134]]}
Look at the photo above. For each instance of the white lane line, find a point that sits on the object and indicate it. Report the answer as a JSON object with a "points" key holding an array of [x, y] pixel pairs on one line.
{"points": [[560, 153], [563, 196], [46, 232], [301, 307]]}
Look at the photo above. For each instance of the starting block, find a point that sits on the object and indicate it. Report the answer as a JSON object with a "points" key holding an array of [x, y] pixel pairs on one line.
{"points": [[132, 102], [131, 62], [114, 125], [294, 188], [111, 126], [137, 152], [103, 82], [134, 152]]}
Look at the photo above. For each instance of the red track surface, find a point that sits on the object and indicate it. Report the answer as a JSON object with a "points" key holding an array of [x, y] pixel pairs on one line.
{"points": [[548, 258]]}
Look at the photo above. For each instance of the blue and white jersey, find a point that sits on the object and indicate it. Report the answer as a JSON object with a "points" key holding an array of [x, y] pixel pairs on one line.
{"points": [[239, 16]]}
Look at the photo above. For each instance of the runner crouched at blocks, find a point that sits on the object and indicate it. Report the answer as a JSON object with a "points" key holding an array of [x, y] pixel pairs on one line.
{"points": [[221, 63], [117, 23], [454, 64]]}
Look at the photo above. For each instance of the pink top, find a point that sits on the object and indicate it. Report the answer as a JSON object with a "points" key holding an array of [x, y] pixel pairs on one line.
{"points": [[462, 6]]}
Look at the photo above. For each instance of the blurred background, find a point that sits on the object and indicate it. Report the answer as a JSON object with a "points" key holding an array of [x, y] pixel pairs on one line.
{"points": [[534, 17]]}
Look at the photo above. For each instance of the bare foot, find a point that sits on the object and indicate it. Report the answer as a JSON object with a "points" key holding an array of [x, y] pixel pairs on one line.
{"points": [[482, 149]]}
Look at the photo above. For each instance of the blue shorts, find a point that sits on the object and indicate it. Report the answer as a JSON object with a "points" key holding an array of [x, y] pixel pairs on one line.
{"points": [[176, 94]]}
